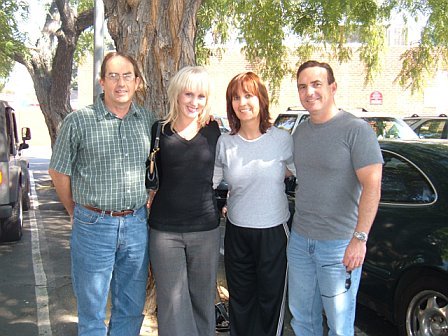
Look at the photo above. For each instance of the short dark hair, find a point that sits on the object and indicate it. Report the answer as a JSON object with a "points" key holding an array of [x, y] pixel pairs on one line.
{"points": [[311, 64], [251, 83], [116, 54]]}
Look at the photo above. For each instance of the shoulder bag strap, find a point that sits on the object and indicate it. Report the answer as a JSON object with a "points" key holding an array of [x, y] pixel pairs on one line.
{"points": [[152, 156]]}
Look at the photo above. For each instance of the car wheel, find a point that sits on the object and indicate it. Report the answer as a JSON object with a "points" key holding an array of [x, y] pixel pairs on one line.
{"points": [[423, 308], [26, 201], [12, 226]]}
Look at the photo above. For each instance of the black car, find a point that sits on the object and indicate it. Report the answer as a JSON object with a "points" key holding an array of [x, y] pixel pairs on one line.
{"points": [[405, 273]]}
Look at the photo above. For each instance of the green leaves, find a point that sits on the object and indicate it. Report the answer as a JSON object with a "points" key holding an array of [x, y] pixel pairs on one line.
{"points": [[11, 40], [84, 46], [272, 31]]}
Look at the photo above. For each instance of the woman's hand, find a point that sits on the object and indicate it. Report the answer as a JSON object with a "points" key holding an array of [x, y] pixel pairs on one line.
{"points": [[210, 118], [152, 194], [224, 211]]}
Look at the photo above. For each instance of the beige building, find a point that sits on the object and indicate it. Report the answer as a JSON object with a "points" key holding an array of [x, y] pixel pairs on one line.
{"points": [[384, 94]]}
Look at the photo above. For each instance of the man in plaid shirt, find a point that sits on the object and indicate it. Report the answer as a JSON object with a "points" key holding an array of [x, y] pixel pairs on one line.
{"points": [[98, 169]]}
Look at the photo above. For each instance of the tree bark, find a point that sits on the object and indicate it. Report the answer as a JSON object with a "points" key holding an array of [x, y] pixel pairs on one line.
{"points": [[159, 35]]}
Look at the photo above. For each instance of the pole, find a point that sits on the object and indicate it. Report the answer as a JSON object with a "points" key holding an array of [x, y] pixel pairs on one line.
{"points": [[98, 46]]}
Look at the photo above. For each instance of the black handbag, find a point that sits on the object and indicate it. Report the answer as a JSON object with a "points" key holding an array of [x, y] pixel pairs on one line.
{"points": [[222, 316], [222, 310], [152, 175]]}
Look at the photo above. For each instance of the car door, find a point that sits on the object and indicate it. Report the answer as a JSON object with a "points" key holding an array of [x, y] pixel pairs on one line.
{"points": [[395, 240]]}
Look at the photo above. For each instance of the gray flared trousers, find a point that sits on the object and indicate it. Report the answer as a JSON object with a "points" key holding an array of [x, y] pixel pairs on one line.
{"points": [[185, 267]]}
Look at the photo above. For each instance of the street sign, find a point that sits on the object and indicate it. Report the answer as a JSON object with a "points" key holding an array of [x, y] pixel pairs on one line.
{"points": [[376, 98]]}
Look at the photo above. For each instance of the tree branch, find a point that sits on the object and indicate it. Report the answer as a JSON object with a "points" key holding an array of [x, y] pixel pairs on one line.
{"points": [[84, 20]]}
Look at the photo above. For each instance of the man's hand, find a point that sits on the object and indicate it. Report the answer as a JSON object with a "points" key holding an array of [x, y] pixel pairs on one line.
{"points": [[62, 183], [354, 254]]}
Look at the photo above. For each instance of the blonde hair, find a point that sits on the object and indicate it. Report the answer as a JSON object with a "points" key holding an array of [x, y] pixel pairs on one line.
{"points": [[194, 78]]}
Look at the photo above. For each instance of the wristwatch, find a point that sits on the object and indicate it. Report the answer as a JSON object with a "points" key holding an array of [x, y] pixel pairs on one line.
{"points": [[360, 235]]}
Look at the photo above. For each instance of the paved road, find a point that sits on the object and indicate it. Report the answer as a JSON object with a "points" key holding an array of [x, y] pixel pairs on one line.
{"points": [[35, 284]]}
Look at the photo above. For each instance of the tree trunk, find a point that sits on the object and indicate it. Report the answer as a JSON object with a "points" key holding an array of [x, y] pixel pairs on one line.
{"points": [[51, 61], [52, 87], [159, 34]]}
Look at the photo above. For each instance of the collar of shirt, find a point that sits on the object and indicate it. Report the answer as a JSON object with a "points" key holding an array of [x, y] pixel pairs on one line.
{"points": [[102, 111]]}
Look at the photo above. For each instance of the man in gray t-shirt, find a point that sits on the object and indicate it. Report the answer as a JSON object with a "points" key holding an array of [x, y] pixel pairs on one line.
{"points": [[339, 165]]}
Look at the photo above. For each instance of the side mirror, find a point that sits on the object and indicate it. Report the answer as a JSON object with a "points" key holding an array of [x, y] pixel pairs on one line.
{"points": [[26, 133], [23, 145]]}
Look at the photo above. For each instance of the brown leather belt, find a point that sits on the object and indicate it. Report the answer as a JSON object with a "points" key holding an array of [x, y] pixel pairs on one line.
{"points": [[112, 213]]}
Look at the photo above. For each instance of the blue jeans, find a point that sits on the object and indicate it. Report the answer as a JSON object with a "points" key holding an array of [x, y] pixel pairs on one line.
{"points": [[109, 253], [319, 281]]}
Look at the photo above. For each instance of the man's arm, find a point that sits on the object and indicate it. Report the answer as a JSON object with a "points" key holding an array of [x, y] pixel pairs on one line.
{"points": [[63, 189], [370, 179]]}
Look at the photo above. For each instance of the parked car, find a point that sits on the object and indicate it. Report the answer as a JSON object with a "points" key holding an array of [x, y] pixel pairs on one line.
{"points": [[291, 119], [223, 123], [385, 126], [405, 273], [221, 190], [14, 175], [429, 127], [412, 119]]}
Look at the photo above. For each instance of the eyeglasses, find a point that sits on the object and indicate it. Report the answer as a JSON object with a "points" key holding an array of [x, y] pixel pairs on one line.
{"points": [[115, 77], [348, 282]]}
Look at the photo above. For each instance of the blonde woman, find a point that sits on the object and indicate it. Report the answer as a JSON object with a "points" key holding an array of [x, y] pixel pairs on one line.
{"points": [[184, 219]]}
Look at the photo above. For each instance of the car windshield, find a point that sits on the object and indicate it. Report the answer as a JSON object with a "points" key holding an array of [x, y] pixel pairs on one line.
{"points": [[390, 128]]}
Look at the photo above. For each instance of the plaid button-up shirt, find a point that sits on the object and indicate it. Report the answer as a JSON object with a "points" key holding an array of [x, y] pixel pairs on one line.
{"points": [[105, 156]]}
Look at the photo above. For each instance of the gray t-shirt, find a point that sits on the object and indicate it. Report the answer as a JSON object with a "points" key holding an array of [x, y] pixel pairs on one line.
{"points": [[326, 157], [255, 173]]}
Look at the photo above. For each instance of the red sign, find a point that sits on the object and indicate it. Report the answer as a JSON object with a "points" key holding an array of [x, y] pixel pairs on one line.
{"points": [[376, 98]]}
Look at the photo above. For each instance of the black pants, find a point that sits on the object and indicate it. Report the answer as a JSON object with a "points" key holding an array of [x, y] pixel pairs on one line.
{"points": [[255, 262]]}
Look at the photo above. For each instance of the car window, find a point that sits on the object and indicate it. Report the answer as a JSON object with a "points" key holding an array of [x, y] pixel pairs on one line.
{"points": [[286, 122], [304, 117], [223, 130], [390, 128], [431, 129], [403, 183], [223, 123], [410, 121]]}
